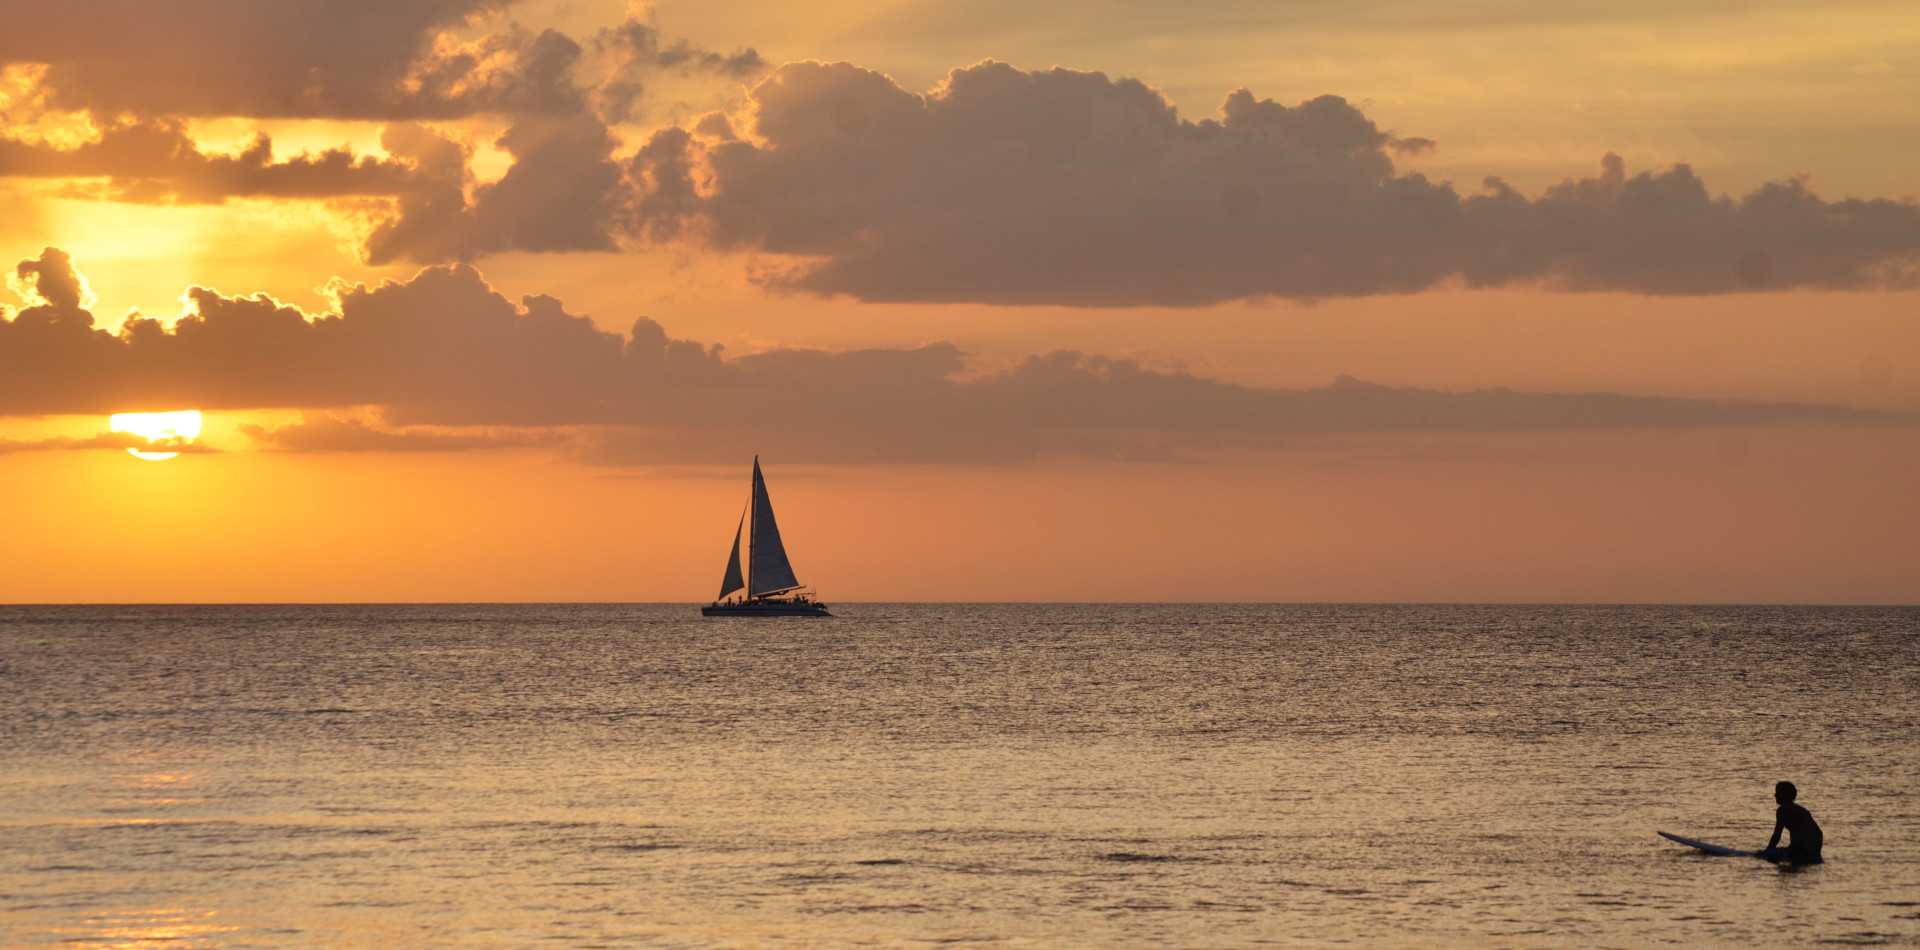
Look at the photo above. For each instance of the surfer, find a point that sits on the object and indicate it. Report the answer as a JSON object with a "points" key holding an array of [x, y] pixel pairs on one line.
{"points": [[1803, 844]]}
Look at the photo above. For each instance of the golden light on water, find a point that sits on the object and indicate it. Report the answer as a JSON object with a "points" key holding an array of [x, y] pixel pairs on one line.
{"points": [[162, 430], [146, 927]]}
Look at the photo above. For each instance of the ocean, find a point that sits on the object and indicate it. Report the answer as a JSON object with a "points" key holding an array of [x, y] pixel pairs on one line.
{"points": [[957, 774]]}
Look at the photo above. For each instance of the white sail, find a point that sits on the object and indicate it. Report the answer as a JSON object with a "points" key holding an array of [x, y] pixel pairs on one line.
{"points": [[732, 581], [769, 572]]}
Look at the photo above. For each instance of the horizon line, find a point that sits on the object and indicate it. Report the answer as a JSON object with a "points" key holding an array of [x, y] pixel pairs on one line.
{"points": [[979, 603]]}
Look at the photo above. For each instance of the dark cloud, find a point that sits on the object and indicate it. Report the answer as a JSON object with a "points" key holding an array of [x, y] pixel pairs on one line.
{"points": [[1065, 187], [49, 351], [156, 159], [1664, 232], [638, 51], [715, 126], [355, 59], [432, 222], [445, 350], [1413, 146], [50, 284], [564, 190], [668, 196], [562, 193], [442, 347], [369, 59]]}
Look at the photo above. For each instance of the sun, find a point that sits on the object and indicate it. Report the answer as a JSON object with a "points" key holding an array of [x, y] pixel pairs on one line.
{"points": [[162, 430]]}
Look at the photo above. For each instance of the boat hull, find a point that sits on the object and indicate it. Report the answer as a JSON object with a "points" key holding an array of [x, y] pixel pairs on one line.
{"points": [[766, 608]]}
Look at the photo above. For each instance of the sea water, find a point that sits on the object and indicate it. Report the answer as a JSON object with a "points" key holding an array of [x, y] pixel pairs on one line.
{"points": [[901, 775]]}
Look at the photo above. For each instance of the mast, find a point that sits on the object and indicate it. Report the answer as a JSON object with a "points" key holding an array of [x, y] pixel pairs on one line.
{"points": [[746, 589], [772, 572]]}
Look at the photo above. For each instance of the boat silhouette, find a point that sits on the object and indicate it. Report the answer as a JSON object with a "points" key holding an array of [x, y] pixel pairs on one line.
{"points": [[768, 587]]}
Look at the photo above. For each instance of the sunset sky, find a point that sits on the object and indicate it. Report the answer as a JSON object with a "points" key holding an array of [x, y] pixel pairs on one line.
{"points": [[1313, 301]]}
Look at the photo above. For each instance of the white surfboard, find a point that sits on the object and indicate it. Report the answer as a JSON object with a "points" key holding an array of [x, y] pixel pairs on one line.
{"points": [[1714, 849]]}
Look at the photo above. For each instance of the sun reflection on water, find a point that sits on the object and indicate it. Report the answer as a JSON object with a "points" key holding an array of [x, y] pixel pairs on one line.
{"points": [[160, 926]]}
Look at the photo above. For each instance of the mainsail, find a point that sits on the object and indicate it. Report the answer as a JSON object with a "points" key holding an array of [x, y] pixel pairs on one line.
{"points": [[732, 581], [769, 572]]}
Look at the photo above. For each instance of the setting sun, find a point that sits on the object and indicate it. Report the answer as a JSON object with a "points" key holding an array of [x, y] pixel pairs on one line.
{"points": [[163, 431]]}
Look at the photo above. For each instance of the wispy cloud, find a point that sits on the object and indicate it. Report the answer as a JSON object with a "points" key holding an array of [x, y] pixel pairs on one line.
{"points": [[111, 441], [330, 433]]}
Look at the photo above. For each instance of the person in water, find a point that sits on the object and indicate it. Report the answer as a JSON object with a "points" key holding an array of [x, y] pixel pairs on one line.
{"points": [[1803, 843]]}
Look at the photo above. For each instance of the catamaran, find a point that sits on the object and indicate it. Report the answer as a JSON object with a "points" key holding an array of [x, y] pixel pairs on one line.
{"points": [[768, 587]]}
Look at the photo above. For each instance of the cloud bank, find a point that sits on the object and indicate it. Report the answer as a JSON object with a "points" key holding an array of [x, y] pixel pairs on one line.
{"points": [[1000, 185], [445, 350], [1063, 187]]}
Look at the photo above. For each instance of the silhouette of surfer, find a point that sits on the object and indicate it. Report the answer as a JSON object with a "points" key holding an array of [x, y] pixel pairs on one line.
{"points": [[1803, 844]]}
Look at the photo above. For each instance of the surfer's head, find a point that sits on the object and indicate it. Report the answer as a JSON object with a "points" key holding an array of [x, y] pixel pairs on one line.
{"points": [[1784, 792]]}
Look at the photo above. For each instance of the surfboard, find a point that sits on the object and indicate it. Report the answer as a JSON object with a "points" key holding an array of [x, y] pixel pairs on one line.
{"points": [[1714, 849]]}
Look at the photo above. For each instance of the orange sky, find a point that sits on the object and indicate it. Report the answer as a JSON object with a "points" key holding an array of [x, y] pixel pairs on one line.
{"points": [[1687, 374]]}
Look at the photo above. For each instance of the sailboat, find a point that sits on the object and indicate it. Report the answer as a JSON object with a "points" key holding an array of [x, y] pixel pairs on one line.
{"points": [[767, 588]]}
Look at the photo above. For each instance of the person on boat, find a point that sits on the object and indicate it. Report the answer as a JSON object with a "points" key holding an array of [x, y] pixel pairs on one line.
{"points": [[1803, 844]]}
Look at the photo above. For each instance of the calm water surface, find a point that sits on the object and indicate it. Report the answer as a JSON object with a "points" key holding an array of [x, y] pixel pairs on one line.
{"points": [[902, 775]]}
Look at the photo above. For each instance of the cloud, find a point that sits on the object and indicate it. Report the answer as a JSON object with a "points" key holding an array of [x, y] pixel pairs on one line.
{"points": [[361, 59], [1001, 185], [156, 159], [1666, 232], [913, 406], [50, 282], [329, 433], [344, 59], [115, 441], [636, 50], [447, 352], [562, 193], [432, 60], [441, 347], [564, 190], [1064, 187], [1413, 146]]}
